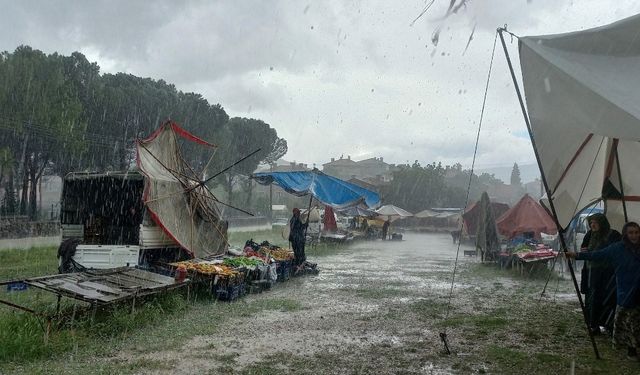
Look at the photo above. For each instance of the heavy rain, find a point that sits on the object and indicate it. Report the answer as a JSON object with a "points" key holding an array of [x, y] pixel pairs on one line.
{"points": [[339, 187]]}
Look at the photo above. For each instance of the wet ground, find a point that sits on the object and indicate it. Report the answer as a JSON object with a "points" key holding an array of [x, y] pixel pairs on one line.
{"points": [[376, 308], [353, 304], [379, 307]]}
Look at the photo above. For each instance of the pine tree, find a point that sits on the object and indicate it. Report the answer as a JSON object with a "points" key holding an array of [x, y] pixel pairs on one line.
{"points": [[515, 176]]}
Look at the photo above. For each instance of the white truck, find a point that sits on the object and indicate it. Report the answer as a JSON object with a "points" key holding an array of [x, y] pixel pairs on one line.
{"points": [[104, 213], [160, 211]]}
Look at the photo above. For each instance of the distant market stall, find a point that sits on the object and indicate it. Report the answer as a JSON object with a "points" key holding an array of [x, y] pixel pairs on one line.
{"points": [[330, 191], [473, 216], [527, 218]]}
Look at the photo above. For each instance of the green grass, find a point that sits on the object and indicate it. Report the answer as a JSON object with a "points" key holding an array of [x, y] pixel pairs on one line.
{"points": [[430, 309], [20, 264], [496, 325], [162, 323]]}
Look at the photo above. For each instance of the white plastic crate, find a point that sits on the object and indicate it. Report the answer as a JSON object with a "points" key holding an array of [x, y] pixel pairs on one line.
{"points": [[107, 256]]}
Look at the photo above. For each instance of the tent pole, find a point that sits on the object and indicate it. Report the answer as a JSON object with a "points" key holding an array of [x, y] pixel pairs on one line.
{"points": [[624, 204], [308, 216], [548, 191], [307, 226]]}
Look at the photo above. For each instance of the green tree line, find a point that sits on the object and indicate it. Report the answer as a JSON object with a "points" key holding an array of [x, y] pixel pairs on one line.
{"points": [[416, 187], [60, 114]]}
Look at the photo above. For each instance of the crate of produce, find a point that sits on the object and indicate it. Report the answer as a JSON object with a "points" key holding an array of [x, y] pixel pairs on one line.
{"points": [[226, 292], [284, 269]]}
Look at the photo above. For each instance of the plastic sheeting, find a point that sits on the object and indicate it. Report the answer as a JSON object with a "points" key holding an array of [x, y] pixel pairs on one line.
{"points": [[473, 215], [583, 101], [327, 189], [392, 213], [189, 216], [487, 233]]}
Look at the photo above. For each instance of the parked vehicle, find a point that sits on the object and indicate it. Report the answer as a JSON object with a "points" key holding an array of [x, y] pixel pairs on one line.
{"points": [[155, 213]]}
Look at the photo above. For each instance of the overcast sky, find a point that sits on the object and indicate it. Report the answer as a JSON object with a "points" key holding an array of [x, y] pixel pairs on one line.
{"points": [[332, 77]]}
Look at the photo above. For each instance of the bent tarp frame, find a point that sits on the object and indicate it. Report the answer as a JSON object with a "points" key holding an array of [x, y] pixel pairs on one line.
{"points": [[175, 198], [328, 190]]}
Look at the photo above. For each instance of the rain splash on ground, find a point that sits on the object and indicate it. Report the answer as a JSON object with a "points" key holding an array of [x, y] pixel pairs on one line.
{"points": [[376, 307]]}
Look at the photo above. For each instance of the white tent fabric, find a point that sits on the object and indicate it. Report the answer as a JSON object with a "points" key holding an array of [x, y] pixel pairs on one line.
{"points": [[435, 214], [392, 213], [583, 98], [426, 213], [189, 216]]}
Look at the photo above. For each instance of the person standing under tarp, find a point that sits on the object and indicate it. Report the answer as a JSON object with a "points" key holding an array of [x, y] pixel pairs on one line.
{"points": [[296, 237], [598, 279], [385, 229], [625, 257]]}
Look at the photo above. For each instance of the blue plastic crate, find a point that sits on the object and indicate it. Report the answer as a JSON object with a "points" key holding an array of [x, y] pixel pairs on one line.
{"points": [[283, 269], [17, 286], [230, 293]]}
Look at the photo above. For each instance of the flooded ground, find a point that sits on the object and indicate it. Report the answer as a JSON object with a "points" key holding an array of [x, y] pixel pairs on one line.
{"points": [[379, 307], [376, 308]]}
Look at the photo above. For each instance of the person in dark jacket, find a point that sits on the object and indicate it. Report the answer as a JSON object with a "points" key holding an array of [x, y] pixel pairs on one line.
{"points": [[385, 229], [598, 279], [625, 258], [296, 237]]}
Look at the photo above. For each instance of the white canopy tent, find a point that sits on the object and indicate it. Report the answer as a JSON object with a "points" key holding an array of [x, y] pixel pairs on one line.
{"points": [[392, 213], [583, 99]]}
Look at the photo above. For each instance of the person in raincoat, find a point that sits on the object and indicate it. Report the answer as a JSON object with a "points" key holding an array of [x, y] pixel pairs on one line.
{"points": [[625, 258], [296, 237], [598, 279]]}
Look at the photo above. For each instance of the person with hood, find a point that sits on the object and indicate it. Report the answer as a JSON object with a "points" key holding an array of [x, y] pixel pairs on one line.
{"points": [[598, 279], [625, 258], [296, 237]]}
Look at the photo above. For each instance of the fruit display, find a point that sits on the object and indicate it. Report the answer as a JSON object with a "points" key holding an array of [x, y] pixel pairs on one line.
{"points": [[207, 268], [279, 254]]}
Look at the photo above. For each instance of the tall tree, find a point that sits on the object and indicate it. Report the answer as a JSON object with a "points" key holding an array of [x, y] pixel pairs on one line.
{"points": [[43, 109], [515, 176], [416, 188], [245, 136]]}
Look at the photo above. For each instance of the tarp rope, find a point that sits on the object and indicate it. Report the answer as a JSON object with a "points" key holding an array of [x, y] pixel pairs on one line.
{"points": [[443, 334]]}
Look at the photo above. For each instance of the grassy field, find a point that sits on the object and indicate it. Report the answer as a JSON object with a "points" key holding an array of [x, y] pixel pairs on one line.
{"points": [[21, 334]]}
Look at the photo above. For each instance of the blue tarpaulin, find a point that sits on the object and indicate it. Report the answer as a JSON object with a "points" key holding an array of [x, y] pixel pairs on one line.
{"points": [[328, 190]]}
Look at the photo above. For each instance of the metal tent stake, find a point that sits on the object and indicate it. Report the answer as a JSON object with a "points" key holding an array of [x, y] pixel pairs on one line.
{"points": [[443, 337]]}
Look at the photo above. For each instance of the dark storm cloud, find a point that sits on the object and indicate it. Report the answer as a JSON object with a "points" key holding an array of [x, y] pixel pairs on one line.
{"points": [[333, 77]]}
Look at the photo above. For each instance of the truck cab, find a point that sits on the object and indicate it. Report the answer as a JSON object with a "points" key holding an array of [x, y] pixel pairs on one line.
{"points": [[103, 215]]}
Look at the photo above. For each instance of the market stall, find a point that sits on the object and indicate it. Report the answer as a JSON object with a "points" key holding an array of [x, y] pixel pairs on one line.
{"points": [[332, 192], [527, 257]]}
